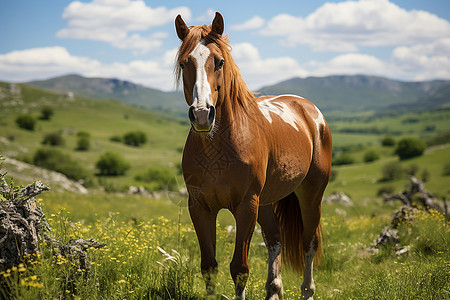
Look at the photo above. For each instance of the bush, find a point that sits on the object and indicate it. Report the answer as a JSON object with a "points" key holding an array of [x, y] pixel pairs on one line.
{"points": [[412, 169], [410, 147], [53, 139], [159, 178], [343, 159], [54, 159], [112, 164], [391, 171], [371, 155], [26, 122], [388, 141], [135, 138], [84, 142], [116, 138], [446, 170], [385, 189], [46, 113]]}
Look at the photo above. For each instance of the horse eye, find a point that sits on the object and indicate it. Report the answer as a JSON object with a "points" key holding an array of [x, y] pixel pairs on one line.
{"points": [[181, 66], [219, 64]]}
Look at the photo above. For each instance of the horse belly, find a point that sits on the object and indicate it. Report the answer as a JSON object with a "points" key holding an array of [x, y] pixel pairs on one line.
{"points": [[283, 177]]}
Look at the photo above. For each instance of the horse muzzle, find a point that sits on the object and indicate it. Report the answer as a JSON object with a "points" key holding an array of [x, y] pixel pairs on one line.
{"points": [[202, 120]]}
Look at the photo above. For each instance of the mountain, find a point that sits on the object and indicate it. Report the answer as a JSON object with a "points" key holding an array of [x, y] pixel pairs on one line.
{"points": [[124, 91], [360, 92], [332, 93]]}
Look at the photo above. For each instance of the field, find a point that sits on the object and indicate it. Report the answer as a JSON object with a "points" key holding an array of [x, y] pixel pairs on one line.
{"points": [[131, 266]]}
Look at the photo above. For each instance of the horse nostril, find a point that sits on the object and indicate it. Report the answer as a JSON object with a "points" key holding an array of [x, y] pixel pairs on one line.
{"points": [[191, 114], [212, 114]]}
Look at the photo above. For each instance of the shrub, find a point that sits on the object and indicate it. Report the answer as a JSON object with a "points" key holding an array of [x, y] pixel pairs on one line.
{"points": [[333, 175], [385, 189], [343, 159], [53, 139], [46, 113], [112, 164], [391, 171], [446, 170], [135, 138], [159, 178], [116, 138], [410, 147], [371, 155], [412, 169], [388, 141], [26, 122], [54, 159], [84, 142]]}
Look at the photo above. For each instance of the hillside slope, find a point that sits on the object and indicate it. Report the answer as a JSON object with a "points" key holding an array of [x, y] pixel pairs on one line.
{"points": [[124, 91]]}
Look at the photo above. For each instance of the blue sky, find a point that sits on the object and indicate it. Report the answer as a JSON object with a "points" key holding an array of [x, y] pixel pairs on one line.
{"points": [[272, 40]]}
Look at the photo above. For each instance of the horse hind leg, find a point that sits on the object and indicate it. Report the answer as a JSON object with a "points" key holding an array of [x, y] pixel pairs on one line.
{"points": [[271, 234], [310, 194]]}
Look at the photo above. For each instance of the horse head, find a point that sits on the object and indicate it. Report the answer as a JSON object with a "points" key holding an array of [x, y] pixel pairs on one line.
{"points": [[200, 61]]}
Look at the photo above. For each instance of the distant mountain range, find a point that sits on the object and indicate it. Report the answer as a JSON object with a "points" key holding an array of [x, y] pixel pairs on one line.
{"points": [[124, 91], [332, 93], [362, 93]]}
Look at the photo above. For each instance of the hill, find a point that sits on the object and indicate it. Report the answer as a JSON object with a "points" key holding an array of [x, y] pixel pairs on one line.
{"points": [[124, 91], [101, 119], [364, 93], [332, 93]]}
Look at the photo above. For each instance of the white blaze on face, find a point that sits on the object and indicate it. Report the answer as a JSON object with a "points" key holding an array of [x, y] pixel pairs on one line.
{"points": [[202, 91], [279, 108]]}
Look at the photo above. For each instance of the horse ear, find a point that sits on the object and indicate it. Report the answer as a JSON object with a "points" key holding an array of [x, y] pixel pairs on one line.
{"points": [[181, 27], [217, 24]]}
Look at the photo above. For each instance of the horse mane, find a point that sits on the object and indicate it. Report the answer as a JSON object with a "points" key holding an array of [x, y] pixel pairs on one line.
{"points": [[234, 89]]}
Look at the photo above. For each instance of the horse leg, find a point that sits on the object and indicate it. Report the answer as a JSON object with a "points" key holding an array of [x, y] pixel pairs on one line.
{"points": [[205, 226], [271, 234], [310, 195], [245, 215]]}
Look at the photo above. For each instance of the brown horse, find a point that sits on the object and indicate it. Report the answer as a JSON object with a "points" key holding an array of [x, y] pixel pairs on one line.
{"points": [[265, 159]]}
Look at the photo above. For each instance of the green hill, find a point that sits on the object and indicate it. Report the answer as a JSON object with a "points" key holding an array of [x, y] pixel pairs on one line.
{"points": [[101, 119], [124, 91]]}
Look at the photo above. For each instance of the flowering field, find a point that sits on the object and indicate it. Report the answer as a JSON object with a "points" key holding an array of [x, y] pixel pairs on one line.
{"points": [[148, 256]]}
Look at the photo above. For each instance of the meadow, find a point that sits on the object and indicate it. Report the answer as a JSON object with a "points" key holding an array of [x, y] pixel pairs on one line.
{"points": [[151, 248]]}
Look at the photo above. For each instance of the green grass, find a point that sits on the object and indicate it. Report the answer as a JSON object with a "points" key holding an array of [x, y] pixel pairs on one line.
{"points": [[134, 226], [132, 267]]}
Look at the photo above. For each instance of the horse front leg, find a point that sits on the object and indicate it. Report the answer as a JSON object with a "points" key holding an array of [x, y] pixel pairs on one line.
{"points": [[245, 216], [205, 227]]}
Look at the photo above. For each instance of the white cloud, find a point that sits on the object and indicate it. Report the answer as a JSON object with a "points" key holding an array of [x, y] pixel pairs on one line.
{"points": [[346, 26], [42, 63], [350, 64], [116, 22], [253, 23], [258, 72], [424, 61], [207, 17]]}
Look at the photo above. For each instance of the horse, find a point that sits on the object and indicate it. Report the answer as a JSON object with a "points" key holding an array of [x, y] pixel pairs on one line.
{"points": [[265, 159]]}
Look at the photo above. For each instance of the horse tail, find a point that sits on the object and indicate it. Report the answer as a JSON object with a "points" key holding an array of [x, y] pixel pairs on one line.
{"points": [[289, 217]]}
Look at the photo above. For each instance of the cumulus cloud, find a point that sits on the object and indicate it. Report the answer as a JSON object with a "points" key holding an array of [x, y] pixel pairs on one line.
{"points": [[40, 63], [424, 61], [253, 23], [117, 22], [346, 26], [258, 71]]}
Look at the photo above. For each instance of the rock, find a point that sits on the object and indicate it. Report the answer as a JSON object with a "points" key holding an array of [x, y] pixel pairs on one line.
{"points": [[340, 198]]}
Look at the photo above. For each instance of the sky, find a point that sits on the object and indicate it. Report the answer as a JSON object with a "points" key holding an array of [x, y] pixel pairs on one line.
{"points": [[272, 41]]}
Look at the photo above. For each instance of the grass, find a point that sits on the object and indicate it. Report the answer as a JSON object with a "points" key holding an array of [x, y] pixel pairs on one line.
{"points": [[133, 266]]}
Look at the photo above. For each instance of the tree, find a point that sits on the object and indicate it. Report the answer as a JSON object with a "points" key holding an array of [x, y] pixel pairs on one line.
{"points": [[410, 147], [135, 138], [26, 122], [371, 155], [112, 164], [53, 139], [84, 142], [46, 113]]}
